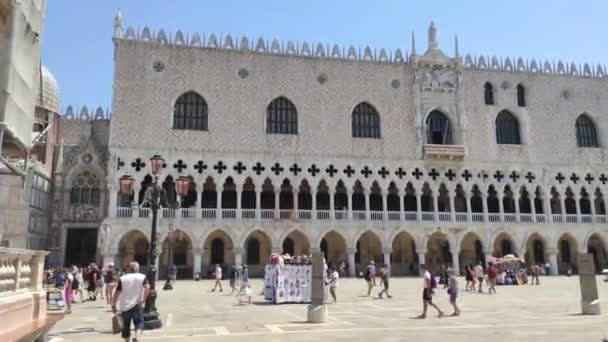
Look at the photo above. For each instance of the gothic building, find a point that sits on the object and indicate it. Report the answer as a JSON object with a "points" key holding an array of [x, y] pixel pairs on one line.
{"points": [[407, 159]]}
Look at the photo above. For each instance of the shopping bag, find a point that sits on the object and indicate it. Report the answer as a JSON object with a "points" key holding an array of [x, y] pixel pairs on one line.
{"points": [[116, 323]]}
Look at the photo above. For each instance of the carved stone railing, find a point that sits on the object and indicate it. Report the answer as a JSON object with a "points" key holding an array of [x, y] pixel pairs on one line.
{"points": [[449, 152], [22, 296]]}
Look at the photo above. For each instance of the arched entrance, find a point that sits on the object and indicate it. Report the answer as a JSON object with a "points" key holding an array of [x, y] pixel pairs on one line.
{"points": [[503, 245], [296, 243], [438, 252], [567, 252], [257, 250], [369, 248], [179, 254], [404, 260], [133, 247], [535, 250], [596, 247], [471, 250], [217, 249], [333, 247]]}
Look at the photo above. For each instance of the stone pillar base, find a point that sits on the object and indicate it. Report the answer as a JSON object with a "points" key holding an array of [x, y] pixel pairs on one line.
{"points": [[591, 308], [317, 313]]}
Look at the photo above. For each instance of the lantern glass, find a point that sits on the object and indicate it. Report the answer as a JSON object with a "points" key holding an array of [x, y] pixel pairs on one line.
{"points": [[156, 164], [182, 186], [126, 184]]}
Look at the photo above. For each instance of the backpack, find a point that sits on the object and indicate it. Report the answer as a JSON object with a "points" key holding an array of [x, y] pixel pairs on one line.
{"points": [[433, 282], [368, 274], [492, 272], [75, 284]]}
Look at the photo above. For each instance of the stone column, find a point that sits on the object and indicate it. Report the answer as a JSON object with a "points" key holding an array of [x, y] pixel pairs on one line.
{"points": [[562, 204], [238, 255], [366, 194], [351, 262], [547, 209], [332, 209], [421, 259], [456, 261], [401, 214], [258, 204], [516, 204], [218, 214], [277, 202], [386, 255], [418, 206], [577, 204], [239, 193], [533, 207], [592, 205], [198, 261], [467, 200], [295, 214], [501, 207], [452, 209], [313, 196], [484, 205], [552, 252], [317, 311], [113, 201], [350, 204], [385, 207], [436, 205]]}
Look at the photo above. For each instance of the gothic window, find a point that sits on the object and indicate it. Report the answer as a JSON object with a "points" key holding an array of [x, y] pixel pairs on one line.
{"points": [[521, 95], [488, 92], [586, 135], [507, 129], [190, 112], [438, 129], [85, 189], [281, 117], [365, 121]]}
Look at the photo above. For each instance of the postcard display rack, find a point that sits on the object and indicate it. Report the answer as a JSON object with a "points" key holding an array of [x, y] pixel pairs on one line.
{"points": [[288, 283]]}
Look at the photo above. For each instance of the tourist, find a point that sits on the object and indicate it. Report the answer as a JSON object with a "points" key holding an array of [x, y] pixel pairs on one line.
{"points": [[91, 276], [479, 275], [99, 285], [384, 275], [218, 278], [369, 276], [492, 274], [429, 283], [68, 291], [132, 289], [333, 283], [453, 291], [536, 269], [245, 275], [76, 283], [444, 276], [470, 278], [172, 273], [235, 277], [110, 281]]}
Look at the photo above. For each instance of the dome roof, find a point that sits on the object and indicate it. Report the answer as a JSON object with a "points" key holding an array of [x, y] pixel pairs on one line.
{"points": [[48, 92]]}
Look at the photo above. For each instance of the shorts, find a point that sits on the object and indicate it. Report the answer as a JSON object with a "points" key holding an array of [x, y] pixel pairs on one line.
{"points": [[453, 297], [480, 279], [137, 315], [427, 295]]}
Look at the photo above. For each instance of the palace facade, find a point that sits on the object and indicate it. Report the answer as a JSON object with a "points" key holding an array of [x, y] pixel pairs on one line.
{"points": [[407, 159]]}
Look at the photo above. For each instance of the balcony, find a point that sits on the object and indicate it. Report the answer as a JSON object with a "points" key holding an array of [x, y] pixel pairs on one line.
{"points": [[22, 298], [444, 152], [191, 215]]}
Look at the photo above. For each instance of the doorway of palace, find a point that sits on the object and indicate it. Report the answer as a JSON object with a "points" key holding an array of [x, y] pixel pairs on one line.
{"points": [[438, 252], [257, 251], [503, 245], [333, 247], [535, 250], [217, 250], [471, 251], [81, 246], [369, 248], [597, 248], [404, 260], [177, 250], [567, 252], [296, 243], [133, 246]]}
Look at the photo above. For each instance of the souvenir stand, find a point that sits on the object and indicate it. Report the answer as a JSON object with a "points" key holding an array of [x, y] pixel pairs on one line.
{"points": [[511, 270], [288, 280]]}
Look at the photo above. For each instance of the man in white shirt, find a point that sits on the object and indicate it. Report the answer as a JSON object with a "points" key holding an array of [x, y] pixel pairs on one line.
{"points": [[333, 283], [427, 293], [479, 274], [218, 278], [132, 289]]}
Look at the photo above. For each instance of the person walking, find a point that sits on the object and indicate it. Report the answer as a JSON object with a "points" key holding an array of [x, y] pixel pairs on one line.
{"points": [[218, 278], [479, 275], [536, 269], [429, 283], [470, 284], [132, 290], [453, 291], [78, 283], [173, 273], [492, 274], [110, 281], [333, 283], [384, 275], [68, 291], [369, 276]]}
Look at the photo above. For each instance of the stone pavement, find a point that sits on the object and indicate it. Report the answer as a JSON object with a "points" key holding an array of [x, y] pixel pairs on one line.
{"points": [[549, 312]]}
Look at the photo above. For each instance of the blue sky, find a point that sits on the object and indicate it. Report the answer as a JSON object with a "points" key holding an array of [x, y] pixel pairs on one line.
{"points": [[77, 44]]}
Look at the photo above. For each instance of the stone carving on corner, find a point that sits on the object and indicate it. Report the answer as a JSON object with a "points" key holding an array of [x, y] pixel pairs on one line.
{"points": [[438, 80], [82, 212]]}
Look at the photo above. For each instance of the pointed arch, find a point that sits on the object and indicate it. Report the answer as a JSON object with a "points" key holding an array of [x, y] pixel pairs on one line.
{"points": [[507, 129], [488, 93], [365, 121], [438, 129], [281, 117], [521, 95], [586, 132], [190, 112]]}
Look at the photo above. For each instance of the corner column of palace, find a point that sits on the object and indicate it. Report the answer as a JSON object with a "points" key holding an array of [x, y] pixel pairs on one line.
{"points": [[351, 261], [553, 269], [198, 261]]}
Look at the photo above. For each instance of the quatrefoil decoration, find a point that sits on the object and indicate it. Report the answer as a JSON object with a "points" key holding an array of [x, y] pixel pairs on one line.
{"points": [[200, 166], [180, 166], [138, 164], [219, 167]]}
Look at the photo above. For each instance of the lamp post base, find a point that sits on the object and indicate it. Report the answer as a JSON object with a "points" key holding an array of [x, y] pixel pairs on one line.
{"points": [[151, 316], [168, 285]]}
